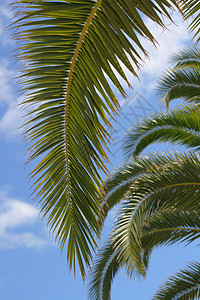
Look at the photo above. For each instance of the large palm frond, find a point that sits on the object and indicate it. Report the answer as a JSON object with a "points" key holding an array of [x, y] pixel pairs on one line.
{"points": [[184, 285], [69, 50], [152, 182]]}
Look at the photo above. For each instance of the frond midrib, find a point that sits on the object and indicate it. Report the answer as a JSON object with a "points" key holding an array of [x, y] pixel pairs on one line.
{"points": [[171, 229], [69, 82], [185, 292]]}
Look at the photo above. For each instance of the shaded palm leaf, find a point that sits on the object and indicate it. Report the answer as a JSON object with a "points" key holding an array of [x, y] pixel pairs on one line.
{"points": [[180, 126], [184, 285], [177, 185], [182, 81], [191, 8], [166, 227]]}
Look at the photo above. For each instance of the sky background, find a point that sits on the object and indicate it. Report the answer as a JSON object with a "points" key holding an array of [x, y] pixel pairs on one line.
{"points": [[31, 265]]}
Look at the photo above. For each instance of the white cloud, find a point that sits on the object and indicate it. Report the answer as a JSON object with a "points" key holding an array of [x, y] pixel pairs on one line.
{"points": [[7, 75], [6, 16], [11, 119], [16, 215], [170, 41]]}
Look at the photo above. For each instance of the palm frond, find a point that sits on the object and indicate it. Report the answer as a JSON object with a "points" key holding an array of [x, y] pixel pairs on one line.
{"points": [[105, 267], [180, 83], [184, 285], [187, 58], [177, 185], [69, 50], [180, 126], [191, 9], [182, 80], [170, 226], [165, 227], [118, 185]]}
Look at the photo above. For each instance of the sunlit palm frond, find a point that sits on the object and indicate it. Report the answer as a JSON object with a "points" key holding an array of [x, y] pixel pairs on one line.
{"points": [[182, 80], [69, 51], [177, 185], [187, 58], [180, 126], [169, 226], [191, 9], [119, 183], [104, 270], [180, 83], [184, 285], [165, 227]]}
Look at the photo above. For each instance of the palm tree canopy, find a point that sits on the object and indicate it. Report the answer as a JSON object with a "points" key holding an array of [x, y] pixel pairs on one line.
{"points": [[160, 206], [158, 194]]}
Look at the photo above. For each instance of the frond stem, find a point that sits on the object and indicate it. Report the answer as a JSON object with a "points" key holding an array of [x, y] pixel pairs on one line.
{"points": [[170, 229], [85, 28]]}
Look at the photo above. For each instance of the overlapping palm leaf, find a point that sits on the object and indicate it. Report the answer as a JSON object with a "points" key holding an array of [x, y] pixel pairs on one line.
{"points": [[183, 79], [159, 194], [184, 285], [191, 8], [160, 207], [181, 126], [69, 51], [166, 227]]}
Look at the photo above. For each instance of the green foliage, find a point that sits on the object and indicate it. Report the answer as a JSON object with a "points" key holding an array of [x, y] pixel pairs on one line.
{"points": [[183, 80], [184, 285], [191, 8], [180, 126], [70, 51], [158, 194]]}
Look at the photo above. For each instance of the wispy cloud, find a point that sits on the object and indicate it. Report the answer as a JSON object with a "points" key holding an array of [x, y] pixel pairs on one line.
{"points": [[16, 219], [11, 118], [170, 41], [5, 19]]}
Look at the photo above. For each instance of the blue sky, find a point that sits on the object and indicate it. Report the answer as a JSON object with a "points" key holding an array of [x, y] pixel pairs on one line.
{"points": [[31, 264]]}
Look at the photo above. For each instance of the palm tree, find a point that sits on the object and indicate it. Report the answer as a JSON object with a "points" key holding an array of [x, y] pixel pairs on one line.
{"points": [[159, 193], [68, 51]]}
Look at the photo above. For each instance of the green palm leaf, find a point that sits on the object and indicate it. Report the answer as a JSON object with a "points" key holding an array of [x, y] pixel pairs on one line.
{"points": [[158, 194], [177, 185], [166, 227], [182, 81], [169, 226], [184, 285], [180, 126], [104, 269], [69, 50], [191, 9]]}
